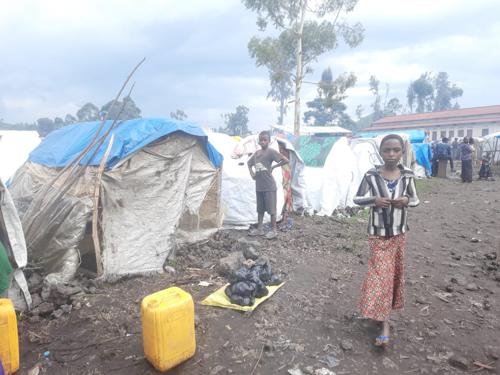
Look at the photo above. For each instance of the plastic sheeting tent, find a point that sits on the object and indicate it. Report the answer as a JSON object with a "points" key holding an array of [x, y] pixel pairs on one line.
{"points": [[237, 187], [12, 237], [160, 188]]}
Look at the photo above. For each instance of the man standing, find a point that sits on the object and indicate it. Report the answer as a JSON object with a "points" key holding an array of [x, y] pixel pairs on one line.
{"points": [[443, 152]]}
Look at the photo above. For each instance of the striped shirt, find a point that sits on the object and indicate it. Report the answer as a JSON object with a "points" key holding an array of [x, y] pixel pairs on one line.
{"points": [[389, 221]]}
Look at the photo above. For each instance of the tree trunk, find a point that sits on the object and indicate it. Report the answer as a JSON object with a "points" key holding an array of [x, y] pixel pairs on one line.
{"points": [[298, 75]]}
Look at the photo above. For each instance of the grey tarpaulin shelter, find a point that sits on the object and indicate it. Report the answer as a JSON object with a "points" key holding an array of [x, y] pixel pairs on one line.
{"points": [[12, 237], [157, 183]]}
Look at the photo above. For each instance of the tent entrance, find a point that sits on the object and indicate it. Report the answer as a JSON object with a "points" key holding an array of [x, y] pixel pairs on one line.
{"points": [[86, 247]]}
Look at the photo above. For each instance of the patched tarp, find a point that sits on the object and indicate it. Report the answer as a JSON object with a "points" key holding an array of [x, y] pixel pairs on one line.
{"points": [[314, 149], [62, 146]]}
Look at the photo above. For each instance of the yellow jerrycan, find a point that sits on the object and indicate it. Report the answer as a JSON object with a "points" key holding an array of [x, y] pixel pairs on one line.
{"points": [[168, 328], [9, 341]]}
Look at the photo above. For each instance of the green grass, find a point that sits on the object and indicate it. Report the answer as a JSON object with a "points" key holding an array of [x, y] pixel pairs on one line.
{"points": [[424, 184]]}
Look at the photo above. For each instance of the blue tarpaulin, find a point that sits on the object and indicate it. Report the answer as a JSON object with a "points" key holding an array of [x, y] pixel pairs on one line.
{"points": [[62, 146], [423, 155]]}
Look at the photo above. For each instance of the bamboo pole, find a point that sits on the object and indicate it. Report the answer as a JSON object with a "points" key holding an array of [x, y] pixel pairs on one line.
{"points": [[95, 212]]}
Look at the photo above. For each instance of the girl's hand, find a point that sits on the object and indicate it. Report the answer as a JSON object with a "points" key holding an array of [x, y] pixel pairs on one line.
{"points": [[381, 202], [400, 202]]}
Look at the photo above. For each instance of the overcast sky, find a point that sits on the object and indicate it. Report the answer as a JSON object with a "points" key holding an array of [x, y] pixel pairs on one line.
{"points": [[56, 55]]}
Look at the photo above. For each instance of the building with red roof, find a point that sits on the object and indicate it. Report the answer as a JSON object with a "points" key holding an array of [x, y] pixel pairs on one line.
{"points": [[471, 122]]}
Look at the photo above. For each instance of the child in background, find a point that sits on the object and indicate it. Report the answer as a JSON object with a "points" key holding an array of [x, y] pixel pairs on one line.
{"points": [[388, 190], [485, 170], [261, 168]]}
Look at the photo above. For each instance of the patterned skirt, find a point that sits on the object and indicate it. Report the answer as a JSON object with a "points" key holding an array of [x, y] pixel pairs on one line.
{"points": [[383, 287]]}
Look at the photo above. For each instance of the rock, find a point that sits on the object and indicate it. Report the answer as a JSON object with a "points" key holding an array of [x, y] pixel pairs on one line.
{"points": [[459, 362], [459, 280], [449, 289], [231, 263], [44, 309], [35, 319], [295, 371], [422, 301], [35, 300], [309, 370], [250, 253], [330, 360], [389, 364], [35, 280], [346, 345], [57, 313], [217, 369], [169, 269], [66, 308], [472, 287], [475, 240], [492, 351], [491, 256], [196, 320], [323, 371]]}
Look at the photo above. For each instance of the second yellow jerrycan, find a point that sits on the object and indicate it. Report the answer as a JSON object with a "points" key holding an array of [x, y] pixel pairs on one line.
{"points": [[9, 341], [168, 328]]}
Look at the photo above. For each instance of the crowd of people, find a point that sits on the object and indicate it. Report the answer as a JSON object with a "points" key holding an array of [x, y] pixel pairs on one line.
{"points": [[464, 151]]}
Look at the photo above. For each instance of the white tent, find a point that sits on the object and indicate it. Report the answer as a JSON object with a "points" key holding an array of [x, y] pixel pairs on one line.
{"points": [[15, 146], [237, 187]]}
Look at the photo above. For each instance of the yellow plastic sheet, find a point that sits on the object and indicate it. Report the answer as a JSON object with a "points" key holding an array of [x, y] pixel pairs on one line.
{"points": [[219, 299]]}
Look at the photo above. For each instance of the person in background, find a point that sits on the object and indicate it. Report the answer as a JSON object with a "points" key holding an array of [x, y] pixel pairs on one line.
{"points": [[388, 190], [443, 152], [287, 184], [260, 166], [466, 158]]}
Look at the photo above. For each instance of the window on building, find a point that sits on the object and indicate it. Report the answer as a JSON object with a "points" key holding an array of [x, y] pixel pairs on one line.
{"points": [[485, 132], [434, 135], [469, 132], [443, 133], [461, 133], [451, 134]]}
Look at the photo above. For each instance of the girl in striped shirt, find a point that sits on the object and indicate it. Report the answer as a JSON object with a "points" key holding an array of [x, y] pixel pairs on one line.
{"points": [[388, 190]]}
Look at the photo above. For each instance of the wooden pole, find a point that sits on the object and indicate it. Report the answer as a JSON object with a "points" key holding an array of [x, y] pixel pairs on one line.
{"points": [[95, 213]]}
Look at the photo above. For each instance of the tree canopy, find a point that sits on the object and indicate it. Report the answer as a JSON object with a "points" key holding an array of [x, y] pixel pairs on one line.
{"points": [[431, 93], [236, 122], [308, 29], [328, 107]]}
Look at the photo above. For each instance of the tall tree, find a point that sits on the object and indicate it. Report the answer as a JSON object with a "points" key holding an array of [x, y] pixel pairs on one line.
{"points": [[179, 114], [433, 93], [273, 53], [328, 107], [45, 126], [376, 105], [445, 92], [237, 122], [422, 90], [122, 110], [89, 112], [310, 29]]}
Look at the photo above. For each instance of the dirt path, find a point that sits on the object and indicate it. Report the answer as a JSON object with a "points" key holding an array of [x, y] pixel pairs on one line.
{"points": [[451, 317]]}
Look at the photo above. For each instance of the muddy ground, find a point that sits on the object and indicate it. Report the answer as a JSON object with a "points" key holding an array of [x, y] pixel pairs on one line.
{"points": [[450, 321]]}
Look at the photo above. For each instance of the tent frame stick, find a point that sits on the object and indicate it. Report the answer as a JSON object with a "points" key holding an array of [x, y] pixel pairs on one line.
{"points": [[95, 212]]}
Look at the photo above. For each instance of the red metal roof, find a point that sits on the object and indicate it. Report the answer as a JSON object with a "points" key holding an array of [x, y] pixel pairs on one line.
{"points": [[425, 119], [442, 122]]}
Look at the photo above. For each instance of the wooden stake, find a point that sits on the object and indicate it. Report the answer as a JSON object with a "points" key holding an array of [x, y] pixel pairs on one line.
{"points": [[95, 212]]}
